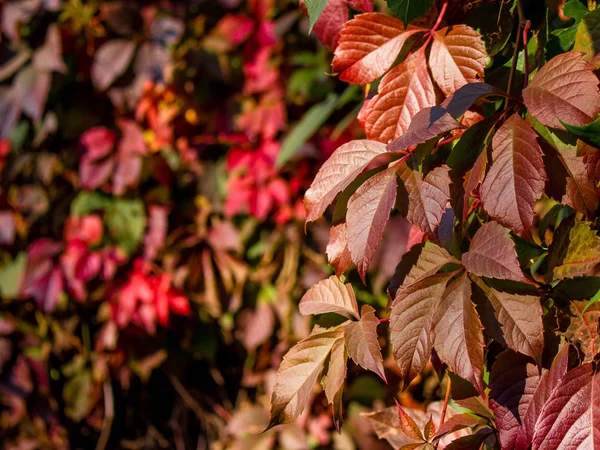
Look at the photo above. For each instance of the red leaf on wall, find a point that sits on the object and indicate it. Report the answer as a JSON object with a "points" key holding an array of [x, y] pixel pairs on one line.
{"points": [[492, 254], [403, 92], [564, 89], [368, 46], [368, 213], [457, 57], [346, 163], [458, 333], [516, 177]]}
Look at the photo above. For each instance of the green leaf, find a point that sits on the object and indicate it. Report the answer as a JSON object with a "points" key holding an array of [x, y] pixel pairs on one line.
{"points": [[78, 396], [593, 300], [575, 9], [315, 8], [589, 132], [10, 276], [583, 252], [409, 10]]}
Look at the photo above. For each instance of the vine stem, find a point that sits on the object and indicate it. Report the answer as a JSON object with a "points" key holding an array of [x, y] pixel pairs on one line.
{"points": [[438, 22], [526, 29], [445, 407], [385, 320]]}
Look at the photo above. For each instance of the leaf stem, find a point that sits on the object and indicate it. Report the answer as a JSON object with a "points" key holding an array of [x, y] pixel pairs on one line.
{"points": [[384, 320], [445, 407], [526, 29], [437, 23]]}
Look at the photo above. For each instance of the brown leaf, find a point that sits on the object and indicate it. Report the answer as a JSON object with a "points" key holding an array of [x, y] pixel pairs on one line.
{"points": [[516, 177], [564, 89], [333, 380], [330, 296], [338, 254], [368, 213], [457, 57], [362, 344], [583, 329]]}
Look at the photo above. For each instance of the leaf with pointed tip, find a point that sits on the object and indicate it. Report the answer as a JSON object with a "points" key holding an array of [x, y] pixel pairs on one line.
{"points": [[429, 430], [342, 167], [492, 254], [583, 252], [409, 10], [427, 124], [470, 442], [403, 92], [333, 380], [368, 46], [571, 416], [520, 320], [583, 329], [581, 192], [411, 323], [368, 213], [458, 336], [587, 38], [472, 180], [427, 197], [337, 251], [407, 425], [386, 425], [516, 177], [589, 132], [314, 8], [299, 372], [460, 101], [457, 57], [330, 296], [565, 89], [362, 344]]}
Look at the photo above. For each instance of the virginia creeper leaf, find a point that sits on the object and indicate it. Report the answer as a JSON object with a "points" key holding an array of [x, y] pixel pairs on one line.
{"points": [[298, 373], [403, 92], [329, 296], [456, 423], [344, 165], [581, 192], [587, 39], [589, 132], [583, 329], [362, 344], [333, 381], [368, 213], [571, 416], [583, 252], [338, 254], [409, 10], [427, 124], [492, 254], [565, 89], [411, 323], [457, 57], [458, 333], [111, 61], [408, 426], [460, 101], [368, 46], [386, 425], [520, 320], [516, 177], [427, 198]]}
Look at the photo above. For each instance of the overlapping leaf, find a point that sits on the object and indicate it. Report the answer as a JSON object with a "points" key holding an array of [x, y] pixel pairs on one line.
{"points": [[565, 89], [516, 177], [587, 38], [582, 254], [330, 295], [583, 329], [457, 57], [492, 254], [344, 165], [362, 344], [338, 254], [368, 213]]}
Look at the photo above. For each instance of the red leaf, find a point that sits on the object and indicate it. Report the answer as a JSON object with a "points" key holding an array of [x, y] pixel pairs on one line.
{"points": [[571, 416], [368, 213], [330, 295], [519, 318], [427, 124], [472, 180], [581, 193], [583, 329], [457, 57], [344, 165], [362, 344], [492, 254], [408, 426], [564, 89], [516, 178], [427, 198], [338, 254], [458, 333], [403, 92], [368, 46], [330, 23], [411, 323]]}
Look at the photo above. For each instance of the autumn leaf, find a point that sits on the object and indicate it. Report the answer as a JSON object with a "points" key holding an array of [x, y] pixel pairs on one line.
{"points": [[516, 177], [583, 329], [587, 38], [465, 97], [519, 318], [565, 89], [362, 344], [368, 213], [330, 296], [427, 197], [457, 57], [337, 251], [386, 425], [408, 426], [344, 165], [333, 380], [571, 415], [411, 323], [299, 372], [492, 254], [581, 192], [368, 46], [458, 333], [314, 8], [403, 92], [583, 252]]}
